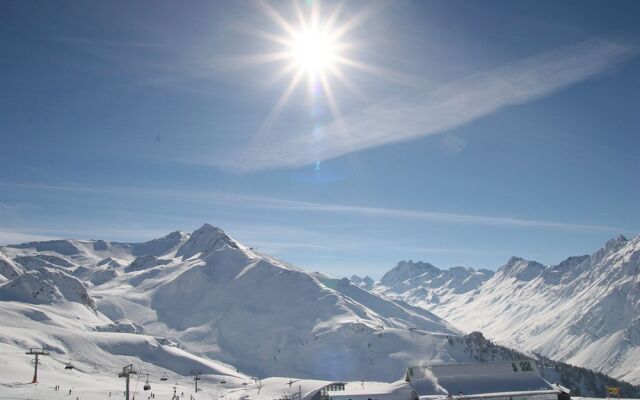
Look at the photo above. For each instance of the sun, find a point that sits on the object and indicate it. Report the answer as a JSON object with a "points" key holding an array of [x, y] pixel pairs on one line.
{"points": [[314, 52], [308, 43]]}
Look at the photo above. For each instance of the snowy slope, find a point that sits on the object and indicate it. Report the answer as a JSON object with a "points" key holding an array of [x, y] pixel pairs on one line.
{"points": [[212, 300], [423, 284], [46, 286], [8, 268], [585, 310]]}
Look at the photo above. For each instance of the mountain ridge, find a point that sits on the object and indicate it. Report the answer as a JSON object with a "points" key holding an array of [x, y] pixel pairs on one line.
{"points": [[582, 310], [203, 300]]}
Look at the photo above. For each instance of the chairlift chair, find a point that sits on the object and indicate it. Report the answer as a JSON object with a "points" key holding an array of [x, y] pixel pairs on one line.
{"points": [[147, 385]]}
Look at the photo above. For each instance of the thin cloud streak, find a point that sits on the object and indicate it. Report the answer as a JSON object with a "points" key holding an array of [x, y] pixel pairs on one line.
{"points": [[9, 235], [15, 237], [265, 202], [427, 113], [257, 202]]}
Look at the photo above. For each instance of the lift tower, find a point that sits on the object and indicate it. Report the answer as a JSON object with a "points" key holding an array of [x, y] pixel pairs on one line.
{"points": [[196, 378], [36, 351], [126, 373]]}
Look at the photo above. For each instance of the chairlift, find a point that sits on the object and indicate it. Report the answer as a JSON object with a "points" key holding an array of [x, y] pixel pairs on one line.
{"points": [[164, 378], [147, 385], [69, 366], [223, 382]]}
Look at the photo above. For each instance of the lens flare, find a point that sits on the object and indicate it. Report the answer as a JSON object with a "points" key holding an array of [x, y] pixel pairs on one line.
{"points": [[313, 45]]}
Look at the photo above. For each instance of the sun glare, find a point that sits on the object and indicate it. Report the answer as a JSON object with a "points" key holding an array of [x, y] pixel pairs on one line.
{"points": [[312, 44], [314, 52]]}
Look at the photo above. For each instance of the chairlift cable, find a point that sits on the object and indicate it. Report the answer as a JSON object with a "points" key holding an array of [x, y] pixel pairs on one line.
{"points": [[135, 392]]}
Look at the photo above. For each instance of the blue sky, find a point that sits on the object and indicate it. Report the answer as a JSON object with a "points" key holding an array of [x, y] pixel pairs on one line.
{"points": [[466, 133]]}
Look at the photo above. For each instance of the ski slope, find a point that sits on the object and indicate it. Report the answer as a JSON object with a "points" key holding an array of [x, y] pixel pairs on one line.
{"points": [[204, 301]]}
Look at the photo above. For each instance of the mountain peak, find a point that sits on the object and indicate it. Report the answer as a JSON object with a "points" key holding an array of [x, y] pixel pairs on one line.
{"points": [[205, 239], [616, 242], [514, 260], [365, 283], [208, 226], [521, 269], [407, 270]]}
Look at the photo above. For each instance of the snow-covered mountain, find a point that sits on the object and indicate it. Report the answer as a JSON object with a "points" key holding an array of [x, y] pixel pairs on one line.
{"points": [[422, 284], [365, 283], [205, 301], [585, 310]]}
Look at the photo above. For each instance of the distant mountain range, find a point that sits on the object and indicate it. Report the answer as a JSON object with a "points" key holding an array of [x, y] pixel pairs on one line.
{"points": [[219, 300], [203, 301], [584, 310]]}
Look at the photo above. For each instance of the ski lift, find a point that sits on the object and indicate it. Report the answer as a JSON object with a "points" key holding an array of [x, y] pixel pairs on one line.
{"points": [[147, 385], [223, 382], [164, 378], [69, 366]]}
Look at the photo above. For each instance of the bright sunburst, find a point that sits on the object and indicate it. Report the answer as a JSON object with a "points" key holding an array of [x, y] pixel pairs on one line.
{"points": [[314, 51], [312, 45]]}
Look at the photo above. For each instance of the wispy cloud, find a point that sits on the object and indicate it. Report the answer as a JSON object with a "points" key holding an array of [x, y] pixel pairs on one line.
{"points": [[11, 235], [260, 202], [431, 112], [14, 237], [433, 216]]}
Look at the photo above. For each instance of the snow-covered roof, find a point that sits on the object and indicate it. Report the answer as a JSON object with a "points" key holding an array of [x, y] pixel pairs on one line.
{"points": [[528, 393], [280, 388], [477, 378], [398, 390]]}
